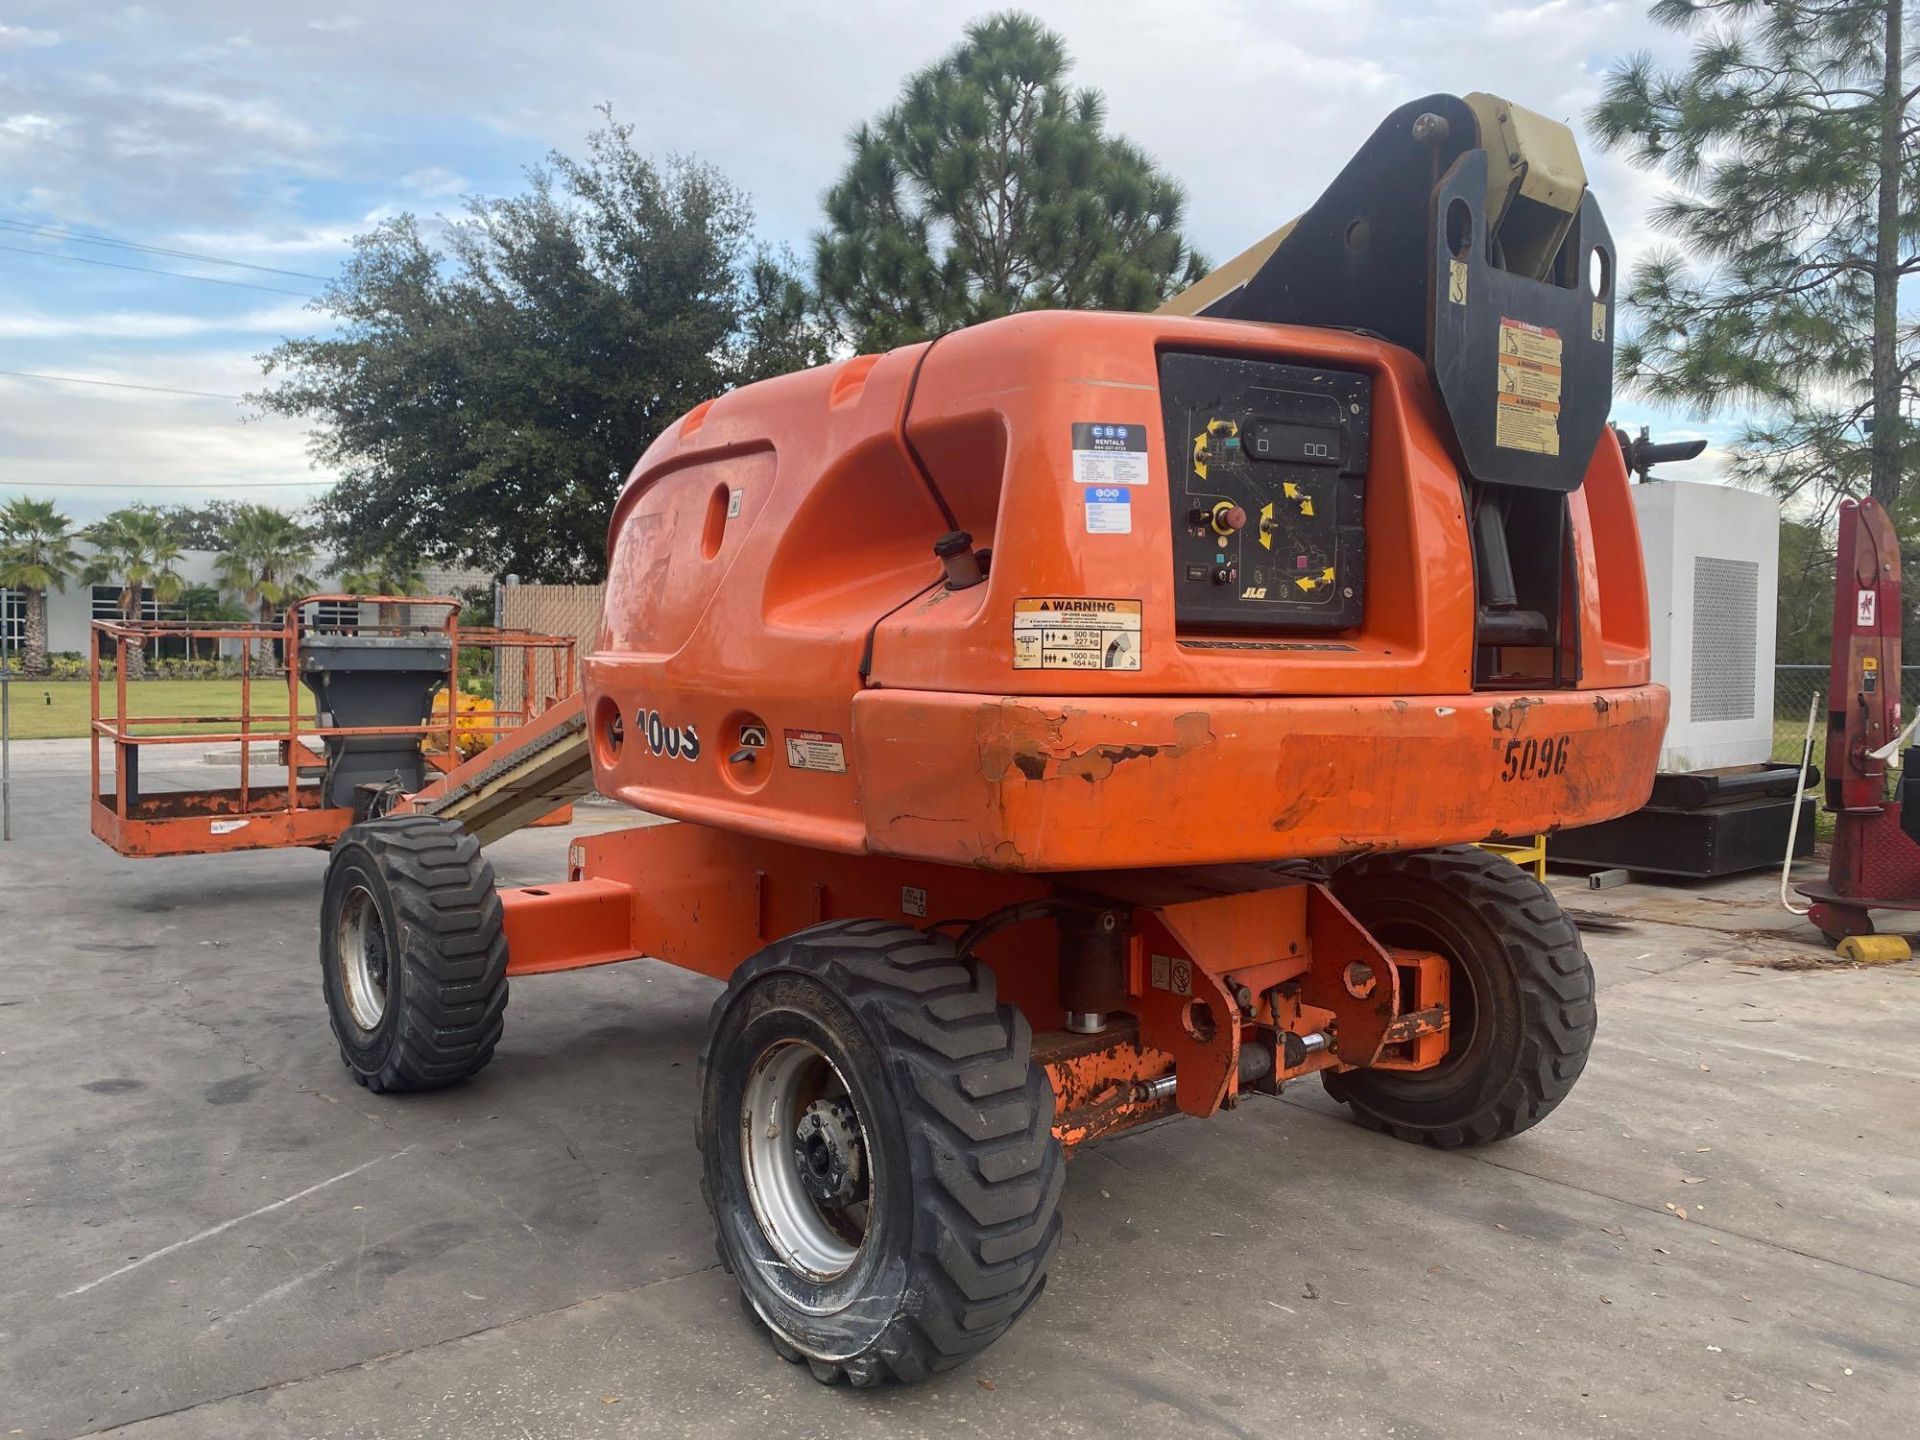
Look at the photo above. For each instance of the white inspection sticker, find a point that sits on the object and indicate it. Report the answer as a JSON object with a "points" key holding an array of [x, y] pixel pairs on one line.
{"points": [[1109, 454], [1058, 633], [227, 827], [1109, 510], [817, 750]]}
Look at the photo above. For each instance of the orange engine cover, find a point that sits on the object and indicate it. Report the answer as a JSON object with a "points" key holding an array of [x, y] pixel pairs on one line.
{"points": [[780, 656]]}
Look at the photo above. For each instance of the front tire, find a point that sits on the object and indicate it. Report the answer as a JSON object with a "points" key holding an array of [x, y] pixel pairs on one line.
{"points": [[1521, 1014], [877, 1151], [413, 954]]}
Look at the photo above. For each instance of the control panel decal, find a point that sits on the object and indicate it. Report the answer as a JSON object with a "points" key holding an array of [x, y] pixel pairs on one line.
{"points": [[1070, 633], [1268, 465], [1106, 454]]}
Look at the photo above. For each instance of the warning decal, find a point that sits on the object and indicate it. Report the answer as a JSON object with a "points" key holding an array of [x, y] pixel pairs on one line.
{"points": [[1109, 454], [817, 750], [1075, 634], [1527, 413]]}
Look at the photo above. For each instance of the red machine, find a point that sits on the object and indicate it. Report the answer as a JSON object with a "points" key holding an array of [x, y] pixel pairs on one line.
{"points": [[1875, 864], [1078, 720]]}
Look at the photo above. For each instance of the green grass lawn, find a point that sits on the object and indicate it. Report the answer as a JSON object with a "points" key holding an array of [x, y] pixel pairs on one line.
{"points": [[57, 709]]}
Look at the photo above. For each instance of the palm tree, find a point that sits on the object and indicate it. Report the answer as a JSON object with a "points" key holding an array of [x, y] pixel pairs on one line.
{"points": [[390, 572], [205, 605], [266, 552], [36, 554], [138, 551]]}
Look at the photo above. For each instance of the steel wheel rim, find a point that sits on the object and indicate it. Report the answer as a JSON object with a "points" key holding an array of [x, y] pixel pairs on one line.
{"points": [[361, 948], [819, 1241]]}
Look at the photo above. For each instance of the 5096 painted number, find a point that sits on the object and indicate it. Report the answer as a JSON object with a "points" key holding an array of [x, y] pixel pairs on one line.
{"points": [[1536, 759]]}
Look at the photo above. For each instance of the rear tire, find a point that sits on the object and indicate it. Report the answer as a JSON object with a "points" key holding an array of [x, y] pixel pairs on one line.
{"points": [[1521, 1017], [924, 1227], [413, 957]]}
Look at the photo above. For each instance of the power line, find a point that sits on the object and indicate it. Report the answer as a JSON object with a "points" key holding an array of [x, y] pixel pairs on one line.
{"points": [[118, 385], [168, 485], [149, 270], [55, 232]]}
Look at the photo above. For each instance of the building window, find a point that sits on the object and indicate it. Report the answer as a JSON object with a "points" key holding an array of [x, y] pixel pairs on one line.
{"points": [[106, 604], [336, 617], [13, 621]]}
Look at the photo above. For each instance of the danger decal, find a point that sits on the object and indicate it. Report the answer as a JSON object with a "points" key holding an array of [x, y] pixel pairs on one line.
{"points": [[820, 750], [1527, 399]]}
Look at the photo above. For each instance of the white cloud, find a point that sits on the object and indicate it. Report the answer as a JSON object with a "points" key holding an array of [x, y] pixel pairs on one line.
{"points": [[21, 37], [435, 182], [155, 325], [27, 127]]}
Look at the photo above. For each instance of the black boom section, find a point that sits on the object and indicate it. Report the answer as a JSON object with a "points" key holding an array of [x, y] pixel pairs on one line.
{"points": [[1400, 246]]}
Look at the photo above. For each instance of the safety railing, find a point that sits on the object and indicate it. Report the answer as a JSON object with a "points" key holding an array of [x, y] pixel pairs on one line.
{"points": [[289, 809]]}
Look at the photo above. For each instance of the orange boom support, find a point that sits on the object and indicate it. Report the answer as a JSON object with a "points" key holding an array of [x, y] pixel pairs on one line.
{"points": [[1086, 717]]}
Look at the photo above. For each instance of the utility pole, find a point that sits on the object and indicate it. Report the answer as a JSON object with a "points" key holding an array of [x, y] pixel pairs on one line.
{"points": [[6, 731]]}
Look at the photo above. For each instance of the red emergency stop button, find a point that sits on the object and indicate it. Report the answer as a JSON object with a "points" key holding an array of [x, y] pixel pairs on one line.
{"points": [[1228, 517]]}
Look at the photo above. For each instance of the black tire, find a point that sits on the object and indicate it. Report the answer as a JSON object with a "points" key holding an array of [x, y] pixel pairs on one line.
{"points": [[1522, 1010], [955, 1128], [410, 901]]}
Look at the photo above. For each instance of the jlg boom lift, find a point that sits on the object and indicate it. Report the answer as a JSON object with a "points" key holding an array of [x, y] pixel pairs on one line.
{"points": [[1079, 720]]}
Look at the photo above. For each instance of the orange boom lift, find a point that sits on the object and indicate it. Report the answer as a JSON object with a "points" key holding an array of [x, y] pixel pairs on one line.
{"points": [[1080, 720]]}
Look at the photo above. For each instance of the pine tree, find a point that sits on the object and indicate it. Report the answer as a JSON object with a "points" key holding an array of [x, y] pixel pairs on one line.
{"points": [[1787, 140], [989, 188]]}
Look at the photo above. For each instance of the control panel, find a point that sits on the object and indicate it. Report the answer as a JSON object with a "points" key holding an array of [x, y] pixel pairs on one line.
{"points": [[1268, 464]]}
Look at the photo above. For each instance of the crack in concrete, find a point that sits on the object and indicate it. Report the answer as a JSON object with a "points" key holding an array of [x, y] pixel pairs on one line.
{"points": [[386, 1355]]}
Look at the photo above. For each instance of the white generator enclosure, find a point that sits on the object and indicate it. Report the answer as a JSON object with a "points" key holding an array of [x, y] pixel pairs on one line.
{"points": [[1713, 575]]}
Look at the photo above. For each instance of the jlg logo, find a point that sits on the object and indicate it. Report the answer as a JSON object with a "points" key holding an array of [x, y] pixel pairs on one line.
{"points": [[1254, 592], [679, 741]]}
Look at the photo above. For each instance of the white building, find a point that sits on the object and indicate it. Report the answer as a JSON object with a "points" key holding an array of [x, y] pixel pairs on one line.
{"points": [[71, 613]]}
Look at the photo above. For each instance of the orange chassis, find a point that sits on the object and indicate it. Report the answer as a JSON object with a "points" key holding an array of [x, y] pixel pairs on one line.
{"points": [[1190, 799], [1198, 1009]]}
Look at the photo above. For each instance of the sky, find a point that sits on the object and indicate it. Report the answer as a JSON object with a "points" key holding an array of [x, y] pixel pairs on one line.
{"points": [[266, 136]]}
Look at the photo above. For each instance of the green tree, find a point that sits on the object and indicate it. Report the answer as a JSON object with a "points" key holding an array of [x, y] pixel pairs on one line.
{"points": [[1803, 612], [990, 187], [1787, 141], [264, 557], [385, 572], [137, 550], [206, 605], [483, 396], [36, 555], [198, 527]]}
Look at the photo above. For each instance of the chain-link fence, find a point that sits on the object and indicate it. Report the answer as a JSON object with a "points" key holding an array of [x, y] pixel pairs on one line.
{"points": [[550, 610], [1794, 687]]}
